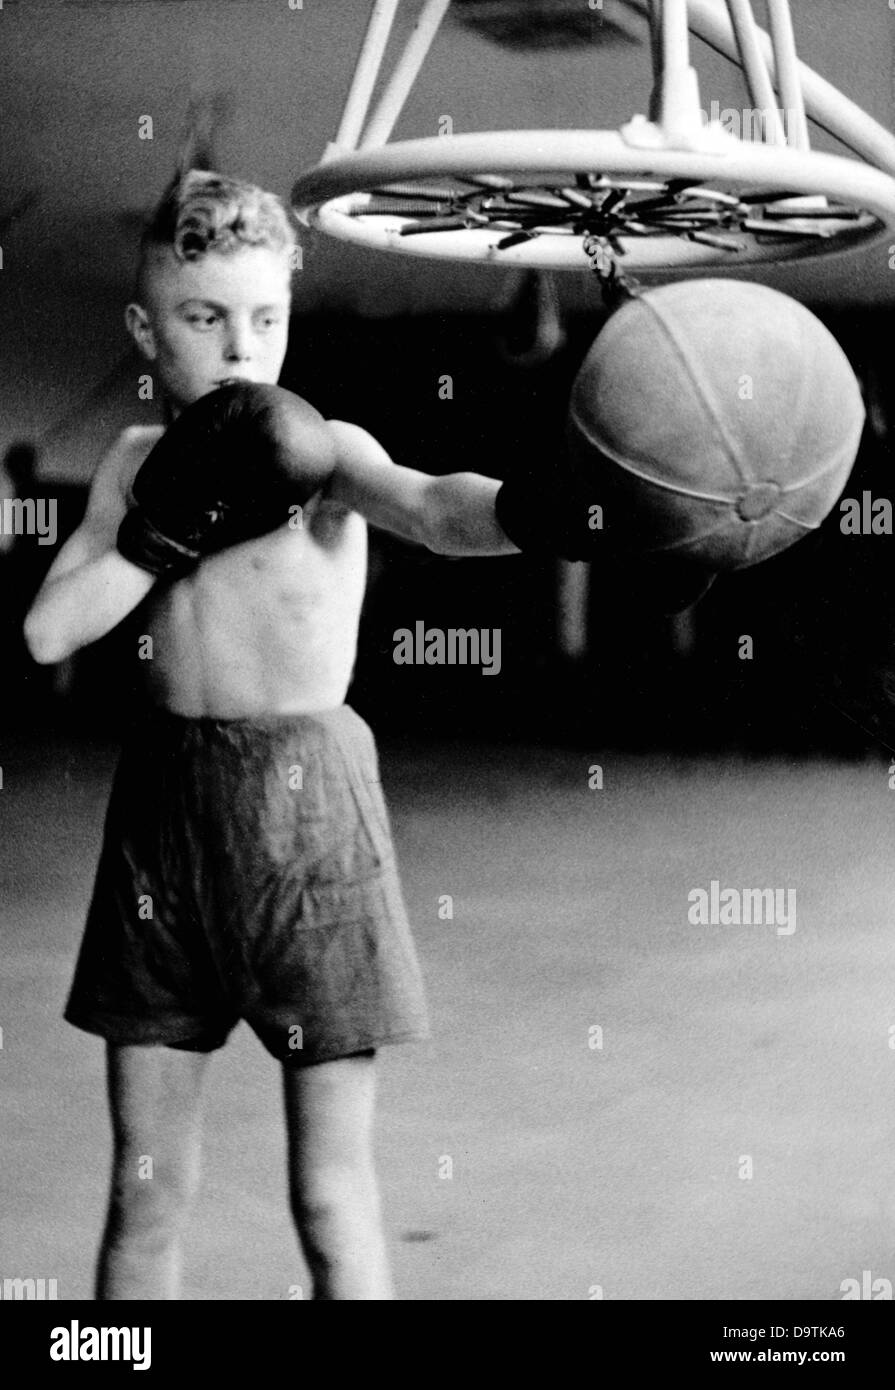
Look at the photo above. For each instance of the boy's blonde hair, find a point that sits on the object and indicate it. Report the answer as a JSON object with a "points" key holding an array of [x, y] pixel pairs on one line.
{"points": [[204, 212]]}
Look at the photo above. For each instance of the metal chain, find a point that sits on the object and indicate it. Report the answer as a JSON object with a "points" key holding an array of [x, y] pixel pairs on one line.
{"points": [[615, 286]]}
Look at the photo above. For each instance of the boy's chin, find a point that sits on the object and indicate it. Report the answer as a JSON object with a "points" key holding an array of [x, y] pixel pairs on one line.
{"points": [[181, 398]]}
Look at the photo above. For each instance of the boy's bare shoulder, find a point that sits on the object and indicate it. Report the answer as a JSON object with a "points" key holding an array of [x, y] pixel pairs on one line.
{"points": [[138, 436], [121, 463], [110, 489], [136, 441]]}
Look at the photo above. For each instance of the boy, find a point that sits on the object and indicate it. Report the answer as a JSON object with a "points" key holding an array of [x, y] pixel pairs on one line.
{"points": [[247, 867]]}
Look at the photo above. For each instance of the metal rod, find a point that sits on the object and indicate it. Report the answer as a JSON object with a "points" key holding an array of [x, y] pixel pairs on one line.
{"points": [[789, 83], [677, 97], [758, 78], [405, 73], [366, 71], [655, 27], [675, 37], [825, 104]]}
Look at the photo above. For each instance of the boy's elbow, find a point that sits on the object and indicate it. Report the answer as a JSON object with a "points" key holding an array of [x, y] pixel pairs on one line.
{"points": [[44, 645]]}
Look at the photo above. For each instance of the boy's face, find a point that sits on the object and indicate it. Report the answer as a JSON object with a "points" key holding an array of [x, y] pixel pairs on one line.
{"points": [[221, 318]]}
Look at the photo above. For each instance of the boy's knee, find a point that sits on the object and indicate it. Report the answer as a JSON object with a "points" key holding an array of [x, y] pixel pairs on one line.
{"points": [[154, 1200], [328, 1199]]}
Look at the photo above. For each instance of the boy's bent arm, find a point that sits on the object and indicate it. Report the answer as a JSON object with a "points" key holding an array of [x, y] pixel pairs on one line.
{"points": [[90, 588], [452, 515]]}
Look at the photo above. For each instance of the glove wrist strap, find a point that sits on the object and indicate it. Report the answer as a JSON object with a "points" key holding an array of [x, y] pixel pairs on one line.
{"points": [[144, 545]]}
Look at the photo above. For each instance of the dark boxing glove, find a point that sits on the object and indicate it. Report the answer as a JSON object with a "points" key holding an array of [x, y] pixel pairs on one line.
{"points": [[227, 470], [545, 509]]}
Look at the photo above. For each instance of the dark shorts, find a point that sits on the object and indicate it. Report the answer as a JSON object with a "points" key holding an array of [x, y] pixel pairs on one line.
{"points": [[247, 871]]}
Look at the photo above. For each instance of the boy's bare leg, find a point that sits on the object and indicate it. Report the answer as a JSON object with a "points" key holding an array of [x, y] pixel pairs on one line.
{"points": [[335, 1197], [155, 1101]]}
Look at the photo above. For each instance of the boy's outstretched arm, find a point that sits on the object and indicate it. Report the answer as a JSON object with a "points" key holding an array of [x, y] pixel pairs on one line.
{"points": [[452, 515]]}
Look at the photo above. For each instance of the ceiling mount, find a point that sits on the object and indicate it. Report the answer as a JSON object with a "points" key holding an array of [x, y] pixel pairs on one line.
{"points": [[665, 192]]}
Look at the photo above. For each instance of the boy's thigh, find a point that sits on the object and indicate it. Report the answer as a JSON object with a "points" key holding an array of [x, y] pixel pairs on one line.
{"points": [[155, 1097], [329, 1114]]}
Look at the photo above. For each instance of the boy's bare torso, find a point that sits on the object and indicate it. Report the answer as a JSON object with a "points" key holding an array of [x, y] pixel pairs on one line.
{"points": [[267, 627]]}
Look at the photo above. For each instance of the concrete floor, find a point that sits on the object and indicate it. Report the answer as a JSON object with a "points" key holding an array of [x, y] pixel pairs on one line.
{"points": [[575, 1168]]}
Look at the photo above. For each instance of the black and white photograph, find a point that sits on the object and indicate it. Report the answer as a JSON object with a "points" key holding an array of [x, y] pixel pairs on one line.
{"points": [[447, 719]]}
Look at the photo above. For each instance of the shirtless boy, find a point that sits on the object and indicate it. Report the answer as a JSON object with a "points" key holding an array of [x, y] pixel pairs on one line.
{"points": [[247, 868]]}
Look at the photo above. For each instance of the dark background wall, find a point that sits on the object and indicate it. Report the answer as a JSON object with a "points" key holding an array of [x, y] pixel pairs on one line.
{"points": [[819, 615]]}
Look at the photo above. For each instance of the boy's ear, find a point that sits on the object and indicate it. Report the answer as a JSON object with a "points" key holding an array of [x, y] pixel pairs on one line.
{"points": [[140, 329]]}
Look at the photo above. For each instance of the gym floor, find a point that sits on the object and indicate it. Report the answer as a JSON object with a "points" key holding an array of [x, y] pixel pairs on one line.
{"points": [[728, 1135]]}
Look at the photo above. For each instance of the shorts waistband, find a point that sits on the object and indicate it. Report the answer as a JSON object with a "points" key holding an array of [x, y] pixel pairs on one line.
{"points": [[155, 722], [157, 714]]}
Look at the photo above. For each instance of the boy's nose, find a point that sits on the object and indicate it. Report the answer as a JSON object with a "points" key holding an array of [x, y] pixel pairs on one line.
{"points": [[237, 348]]}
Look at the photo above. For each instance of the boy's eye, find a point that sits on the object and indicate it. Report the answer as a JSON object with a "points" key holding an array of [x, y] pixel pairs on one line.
{"points": [[205, 319], [268, 320]]}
